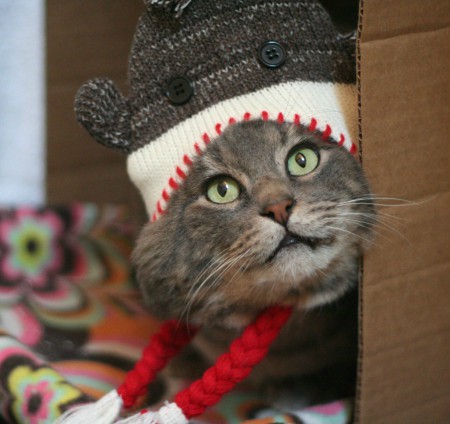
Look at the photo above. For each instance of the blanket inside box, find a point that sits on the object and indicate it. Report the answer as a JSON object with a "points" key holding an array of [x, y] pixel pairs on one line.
{"points": [[72, 322]]}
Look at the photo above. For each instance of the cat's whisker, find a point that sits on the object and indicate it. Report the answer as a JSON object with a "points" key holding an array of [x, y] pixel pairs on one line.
{"points": [[242, 268], [354, 235], [375, 201], [216, 275], [391, 219], [367, 223], [368, 218], [367, 215], [198, 283], [380, 223], [390, 205], [381, 197], [238, 258], [379, 215], [360, 223], [214, 260], [217, 278]]}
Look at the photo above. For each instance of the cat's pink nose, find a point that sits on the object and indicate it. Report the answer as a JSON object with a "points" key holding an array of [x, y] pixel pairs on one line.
{"points": [[279, 211]]}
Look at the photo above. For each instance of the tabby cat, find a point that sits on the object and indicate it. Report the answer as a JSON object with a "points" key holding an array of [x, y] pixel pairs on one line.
{"points": [[270, 214]]}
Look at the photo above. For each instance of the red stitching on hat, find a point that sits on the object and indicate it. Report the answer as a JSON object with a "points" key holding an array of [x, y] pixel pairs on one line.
{"points": [[246, 117], [173, 183], [312, 124], [187, 160], [206, 138], [159, 208], [197, 149], [180, 173], [326, 133]]}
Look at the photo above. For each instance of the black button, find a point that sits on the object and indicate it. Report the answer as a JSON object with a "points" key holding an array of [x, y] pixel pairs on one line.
{"points": [[272, 54], [179, 90]]}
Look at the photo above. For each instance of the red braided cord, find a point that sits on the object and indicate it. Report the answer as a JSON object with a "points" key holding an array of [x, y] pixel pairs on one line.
{"points": [[164, 345], [232, 367]]}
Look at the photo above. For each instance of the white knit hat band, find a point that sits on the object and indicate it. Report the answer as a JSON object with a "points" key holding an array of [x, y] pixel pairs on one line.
{"points": [[160, 167]]}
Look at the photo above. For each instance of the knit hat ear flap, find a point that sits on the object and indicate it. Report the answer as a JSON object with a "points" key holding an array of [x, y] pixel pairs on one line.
{"points": [[105, 113]]}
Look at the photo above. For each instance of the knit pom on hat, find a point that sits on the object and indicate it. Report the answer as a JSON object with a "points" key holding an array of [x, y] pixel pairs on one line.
{"points": [[176, 5]]}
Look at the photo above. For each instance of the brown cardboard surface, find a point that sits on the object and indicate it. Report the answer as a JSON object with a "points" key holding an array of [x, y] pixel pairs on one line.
{"points": [[405, 328], [407, 386], [91, 38], [86, 40], [398, 326], [389, 18], [69, 145], [404, 234]]}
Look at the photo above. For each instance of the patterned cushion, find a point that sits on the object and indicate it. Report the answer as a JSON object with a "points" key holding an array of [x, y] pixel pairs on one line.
{"points": [[72, 322]]}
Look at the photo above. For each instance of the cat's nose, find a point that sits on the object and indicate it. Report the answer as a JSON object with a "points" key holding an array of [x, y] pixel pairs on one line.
{"points": [[279, 211]]}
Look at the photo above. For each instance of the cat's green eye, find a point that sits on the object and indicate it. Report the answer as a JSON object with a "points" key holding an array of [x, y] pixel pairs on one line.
{"points": [[302, 161], [223, 190]]}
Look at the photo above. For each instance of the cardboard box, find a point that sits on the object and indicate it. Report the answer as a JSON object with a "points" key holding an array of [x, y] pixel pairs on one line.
{"points": [[404, 85], [404, 124], [86, 40]]}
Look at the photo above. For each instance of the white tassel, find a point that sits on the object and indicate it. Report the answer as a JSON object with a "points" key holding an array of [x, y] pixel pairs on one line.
{"points": [[105, 411], [170, 413]]}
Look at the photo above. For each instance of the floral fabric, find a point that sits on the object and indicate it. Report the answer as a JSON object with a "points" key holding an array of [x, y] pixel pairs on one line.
{"points": [[72, 322]]}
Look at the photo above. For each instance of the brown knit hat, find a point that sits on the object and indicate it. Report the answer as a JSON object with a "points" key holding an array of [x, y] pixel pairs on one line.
{"points": [[217, 63]]}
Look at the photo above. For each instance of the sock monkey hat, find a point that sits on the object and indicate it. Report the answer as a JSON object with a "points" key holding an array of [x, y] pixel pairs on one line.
{"points": [[193, 71], [199, 67]]}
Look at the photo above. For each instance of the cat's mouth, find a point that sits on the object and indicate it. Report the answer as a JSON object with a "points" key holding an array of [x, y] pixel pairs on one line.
{"points": [[291, 240]]}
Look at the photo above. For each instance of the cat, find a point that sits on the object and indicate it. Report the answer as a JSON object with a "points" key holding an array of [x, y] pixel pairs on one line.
{"points": [[270, 214]]}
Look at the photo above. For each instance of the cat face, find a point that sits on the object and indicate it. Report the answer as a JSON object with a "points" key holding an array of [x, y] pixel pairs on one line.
{"points": [[269, 214]]}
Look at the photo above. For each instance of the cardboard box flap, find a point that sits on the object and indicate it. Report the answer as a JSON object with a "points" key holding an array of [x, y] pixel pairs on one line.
{"points": [[387, 18], [404, 96]]}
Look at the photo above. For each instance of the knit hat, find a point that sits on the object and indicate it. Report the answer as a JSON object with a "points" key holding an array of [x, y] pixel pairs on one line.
{"points": [[211, 64]]}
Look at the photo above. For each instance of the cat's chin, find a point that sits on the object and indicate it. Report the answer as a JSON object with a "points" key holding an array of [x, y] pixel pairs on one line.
{"points": [[303, 273]]}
